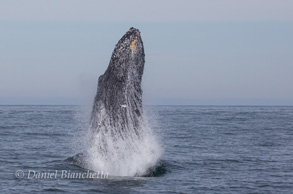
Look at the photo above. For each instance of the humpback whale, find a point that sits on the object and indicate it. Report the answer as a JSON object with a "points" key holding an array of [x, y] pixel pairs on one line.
{"points": [[118, 103], [121, 142]]}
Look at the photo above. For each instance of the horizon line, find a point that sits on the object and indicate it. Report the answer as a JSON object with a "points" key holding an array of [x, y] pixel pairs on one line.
{"points": [[148, 105]]}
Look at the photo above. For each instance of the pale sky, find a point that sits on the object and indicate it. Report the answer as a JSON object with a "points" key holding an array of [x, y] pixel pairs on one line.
{"points": [[228, 52]]}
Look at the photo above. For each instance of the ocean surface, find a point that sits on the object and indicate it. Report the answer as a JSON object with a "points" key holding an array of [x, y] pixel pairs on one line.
{"points": [[207, 149]]}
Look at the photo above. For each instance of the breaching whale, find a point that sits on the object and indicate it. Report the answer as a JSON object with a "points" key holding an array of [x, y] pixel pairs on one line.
{"points": [[121, 142], [117, 106]]}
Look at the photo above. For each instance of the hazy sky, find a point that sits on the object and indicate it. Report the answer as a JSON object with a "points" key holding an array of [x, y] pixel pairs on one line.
{"points": [[228, 52]]}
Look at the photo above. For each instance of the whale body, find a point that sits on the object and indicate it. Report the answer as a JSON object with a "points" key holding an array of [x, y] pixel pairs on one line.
{"points": [[121, 143], [117, 106]]}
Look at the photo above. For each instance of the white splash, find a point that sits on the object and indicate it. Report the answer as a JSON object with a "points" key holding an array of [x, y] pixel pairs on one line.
{"points": [[127, 155]]}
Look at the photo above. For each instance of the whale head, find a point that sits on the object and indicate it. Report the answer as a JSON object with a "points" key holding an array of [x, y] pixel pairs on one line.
{"points": [[128, 57]]}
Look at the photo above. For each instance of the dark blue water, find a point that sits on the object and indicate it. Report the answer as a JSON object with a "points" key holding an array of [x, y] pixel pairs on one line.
{"points": [[207, 150]]}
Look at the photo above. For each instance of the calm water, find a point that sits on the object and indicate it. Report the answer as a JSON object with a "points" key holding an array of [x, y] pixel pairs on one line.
{"points": [[207, 150]]}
